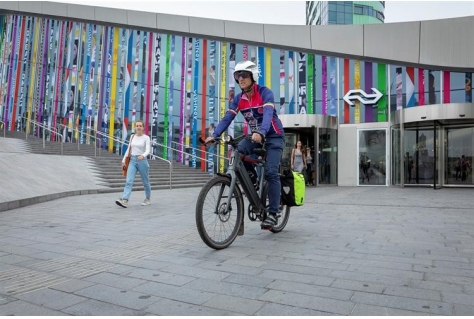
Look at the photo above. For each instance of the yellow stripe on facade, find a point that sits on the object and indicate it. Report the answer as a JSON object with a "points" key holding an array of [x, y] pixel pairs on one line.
{"points": [[223, 101], [357, 86], [113, 91], [268, 67]]}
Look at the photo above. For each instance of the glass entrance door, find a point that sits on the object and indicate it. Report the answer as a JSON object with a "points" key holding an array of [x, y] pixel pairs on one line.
{"points": [[372, 157], [459, 155], [419, 157], [327, 157]]}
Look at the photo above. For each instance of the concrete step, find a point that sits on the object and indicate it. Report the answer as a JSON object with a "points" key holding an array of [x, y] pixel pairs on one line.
{"points": [[106, 168]]}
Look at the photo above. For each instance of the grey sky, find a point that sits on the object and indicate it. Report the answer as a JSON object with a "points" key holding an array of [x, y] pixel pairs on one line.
{"points": [[285, 12]]}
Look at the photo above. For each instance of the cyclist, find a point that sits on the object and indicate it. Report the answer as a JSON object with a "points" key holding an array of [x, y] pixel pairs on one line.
{"points": [[256, 103]]}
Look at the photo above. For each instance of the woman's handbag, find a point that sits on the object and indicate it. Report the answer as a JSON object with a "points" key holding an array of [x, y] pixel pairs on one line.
{"points": [[127, 159]]}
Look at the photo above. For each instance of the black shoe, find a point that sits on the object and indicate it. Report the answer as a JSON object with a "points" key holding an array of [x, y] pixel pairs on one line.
{"points": [[269, 222]]}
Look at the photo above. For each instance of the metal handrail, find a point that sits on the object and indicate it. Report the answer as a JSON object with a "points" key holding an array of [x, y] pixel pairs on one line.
{"points": [[90, 135], [152, 155], [44, 128], [174, 149], [198, 149]]}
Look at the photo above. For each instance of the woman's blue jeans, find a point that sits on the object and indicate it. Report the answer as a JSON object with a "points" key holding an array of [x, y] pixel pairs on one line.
{"points": [[142, 167]]}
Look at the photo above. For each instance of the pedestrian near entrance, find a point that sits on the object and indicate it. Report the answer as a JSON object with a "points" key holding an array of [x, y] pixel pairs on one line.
{"points": [[298, 158], [140, 149]]}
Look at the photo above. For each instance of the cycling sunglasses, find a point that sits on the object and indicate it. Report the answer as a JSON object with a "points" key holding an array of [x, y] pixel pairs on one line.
{"points": [[242, 74]]}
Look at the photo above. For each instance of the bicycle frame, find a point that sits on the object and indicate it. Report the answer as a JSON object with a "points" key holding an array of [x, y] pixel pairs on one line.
{"points": [[237, 171]]}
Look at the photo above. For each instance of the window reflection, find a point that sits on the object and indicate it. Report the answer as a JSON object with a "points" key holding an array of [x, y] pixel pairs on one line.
{"points": [[372, 157]]}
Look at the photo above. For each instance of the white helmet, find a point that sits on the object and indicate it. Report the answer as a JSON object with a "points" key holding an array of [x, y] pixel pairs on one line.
{"points": [[248, 66]]}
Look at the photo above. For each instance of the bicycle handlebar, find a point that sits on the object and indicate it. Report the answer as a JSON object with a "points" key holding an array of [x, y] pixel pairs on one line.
{"points": [[230, 140]]}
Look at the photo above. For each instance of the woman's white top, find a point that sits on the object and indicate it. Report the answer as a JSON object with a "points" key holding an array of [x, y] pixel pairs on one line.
{"points": [[140, 146]]}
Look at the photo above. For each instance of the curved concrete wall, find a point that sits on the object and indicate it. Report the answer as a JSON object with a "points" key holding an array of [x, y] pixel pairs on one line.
{"points": [[438, 44]]}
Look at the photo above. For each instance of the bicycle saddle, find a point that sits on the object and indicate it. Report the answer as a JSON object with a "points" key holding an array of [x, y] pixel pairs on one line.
{"points": [[260, 152]]}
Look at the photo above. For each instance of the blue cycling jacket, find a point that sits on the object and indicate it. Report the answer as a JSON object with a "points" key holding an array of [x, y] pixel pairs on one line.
{"points": [[259, 112]]}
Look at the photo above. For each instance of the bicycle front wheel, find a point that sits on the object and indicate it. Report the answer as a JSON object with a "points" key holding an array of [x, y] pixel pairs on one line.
{"points": [[216, 223]]}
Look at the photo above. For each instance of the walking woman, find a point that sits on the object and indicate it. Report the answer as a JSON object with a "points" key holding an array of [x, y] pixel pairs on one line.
{"points": [[298, 158], [140, 145]]}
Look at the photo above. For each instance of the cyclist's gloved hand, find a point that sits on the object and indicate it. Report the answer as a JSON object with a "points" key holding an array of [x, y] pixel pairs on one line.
{"points": [[257, 137], [210, 140]]}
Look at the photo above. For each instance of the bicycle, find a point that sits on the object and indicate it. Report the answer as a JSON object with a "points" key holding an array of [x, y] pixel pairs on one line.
{"points": [[226, 217]]}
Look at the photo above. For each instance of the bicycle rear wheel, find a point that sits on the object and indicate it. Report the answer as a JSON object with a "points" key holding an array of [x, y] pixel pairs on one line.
{"points": [[217, 225], [284, 211]]}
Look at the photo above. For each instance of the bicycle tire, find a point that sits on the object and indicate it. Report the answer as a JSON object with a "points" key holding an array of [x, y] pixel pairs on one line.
{"points": [[200, 220], [285, 211]]}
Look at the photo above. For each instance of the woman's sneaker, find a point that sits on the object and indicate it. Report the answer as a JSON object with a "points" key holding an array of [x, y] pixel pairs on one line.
{"points": [[122, 202], [146, 202]]}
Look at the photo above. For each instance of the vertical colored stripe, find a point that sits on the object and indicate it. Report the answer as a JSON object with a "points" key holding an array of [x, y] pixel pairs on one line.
{"points": [[171, 99], [346, 89], [4, 50], [156, 88], [398, 89], [59, 72], [410, 86], [421, 86], [291, 81], [230, 96], [446, 87], [212, 106], [324, 84], [222, 108], [282, 82], [189, 62], [182, 98], [261, 65], [369, 108], [268, 67], [149, 85], [382, 87], [357, 86], [40, 75], [195, 98], [167, 94], [310, 81], [19, 57], [245, 52], [113, 90], [332, 86], [24, 75], [10, 73], [103, 84], [203, 102], [128, 84], [85, 81], [302, 83]]}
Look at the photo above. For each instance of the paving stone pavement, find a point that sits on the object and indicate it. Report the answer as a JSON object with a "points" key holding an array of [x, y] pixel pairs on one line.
{"points": [[347, 251]]}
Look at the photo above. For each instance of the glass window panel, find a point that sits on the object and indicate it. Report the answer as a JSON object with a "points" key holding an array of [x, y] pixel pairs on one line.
{"points": [[332, 7], [348, 9], [340, 17], [372, 157], [357, 9], [348, 18], [332, 15]]}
